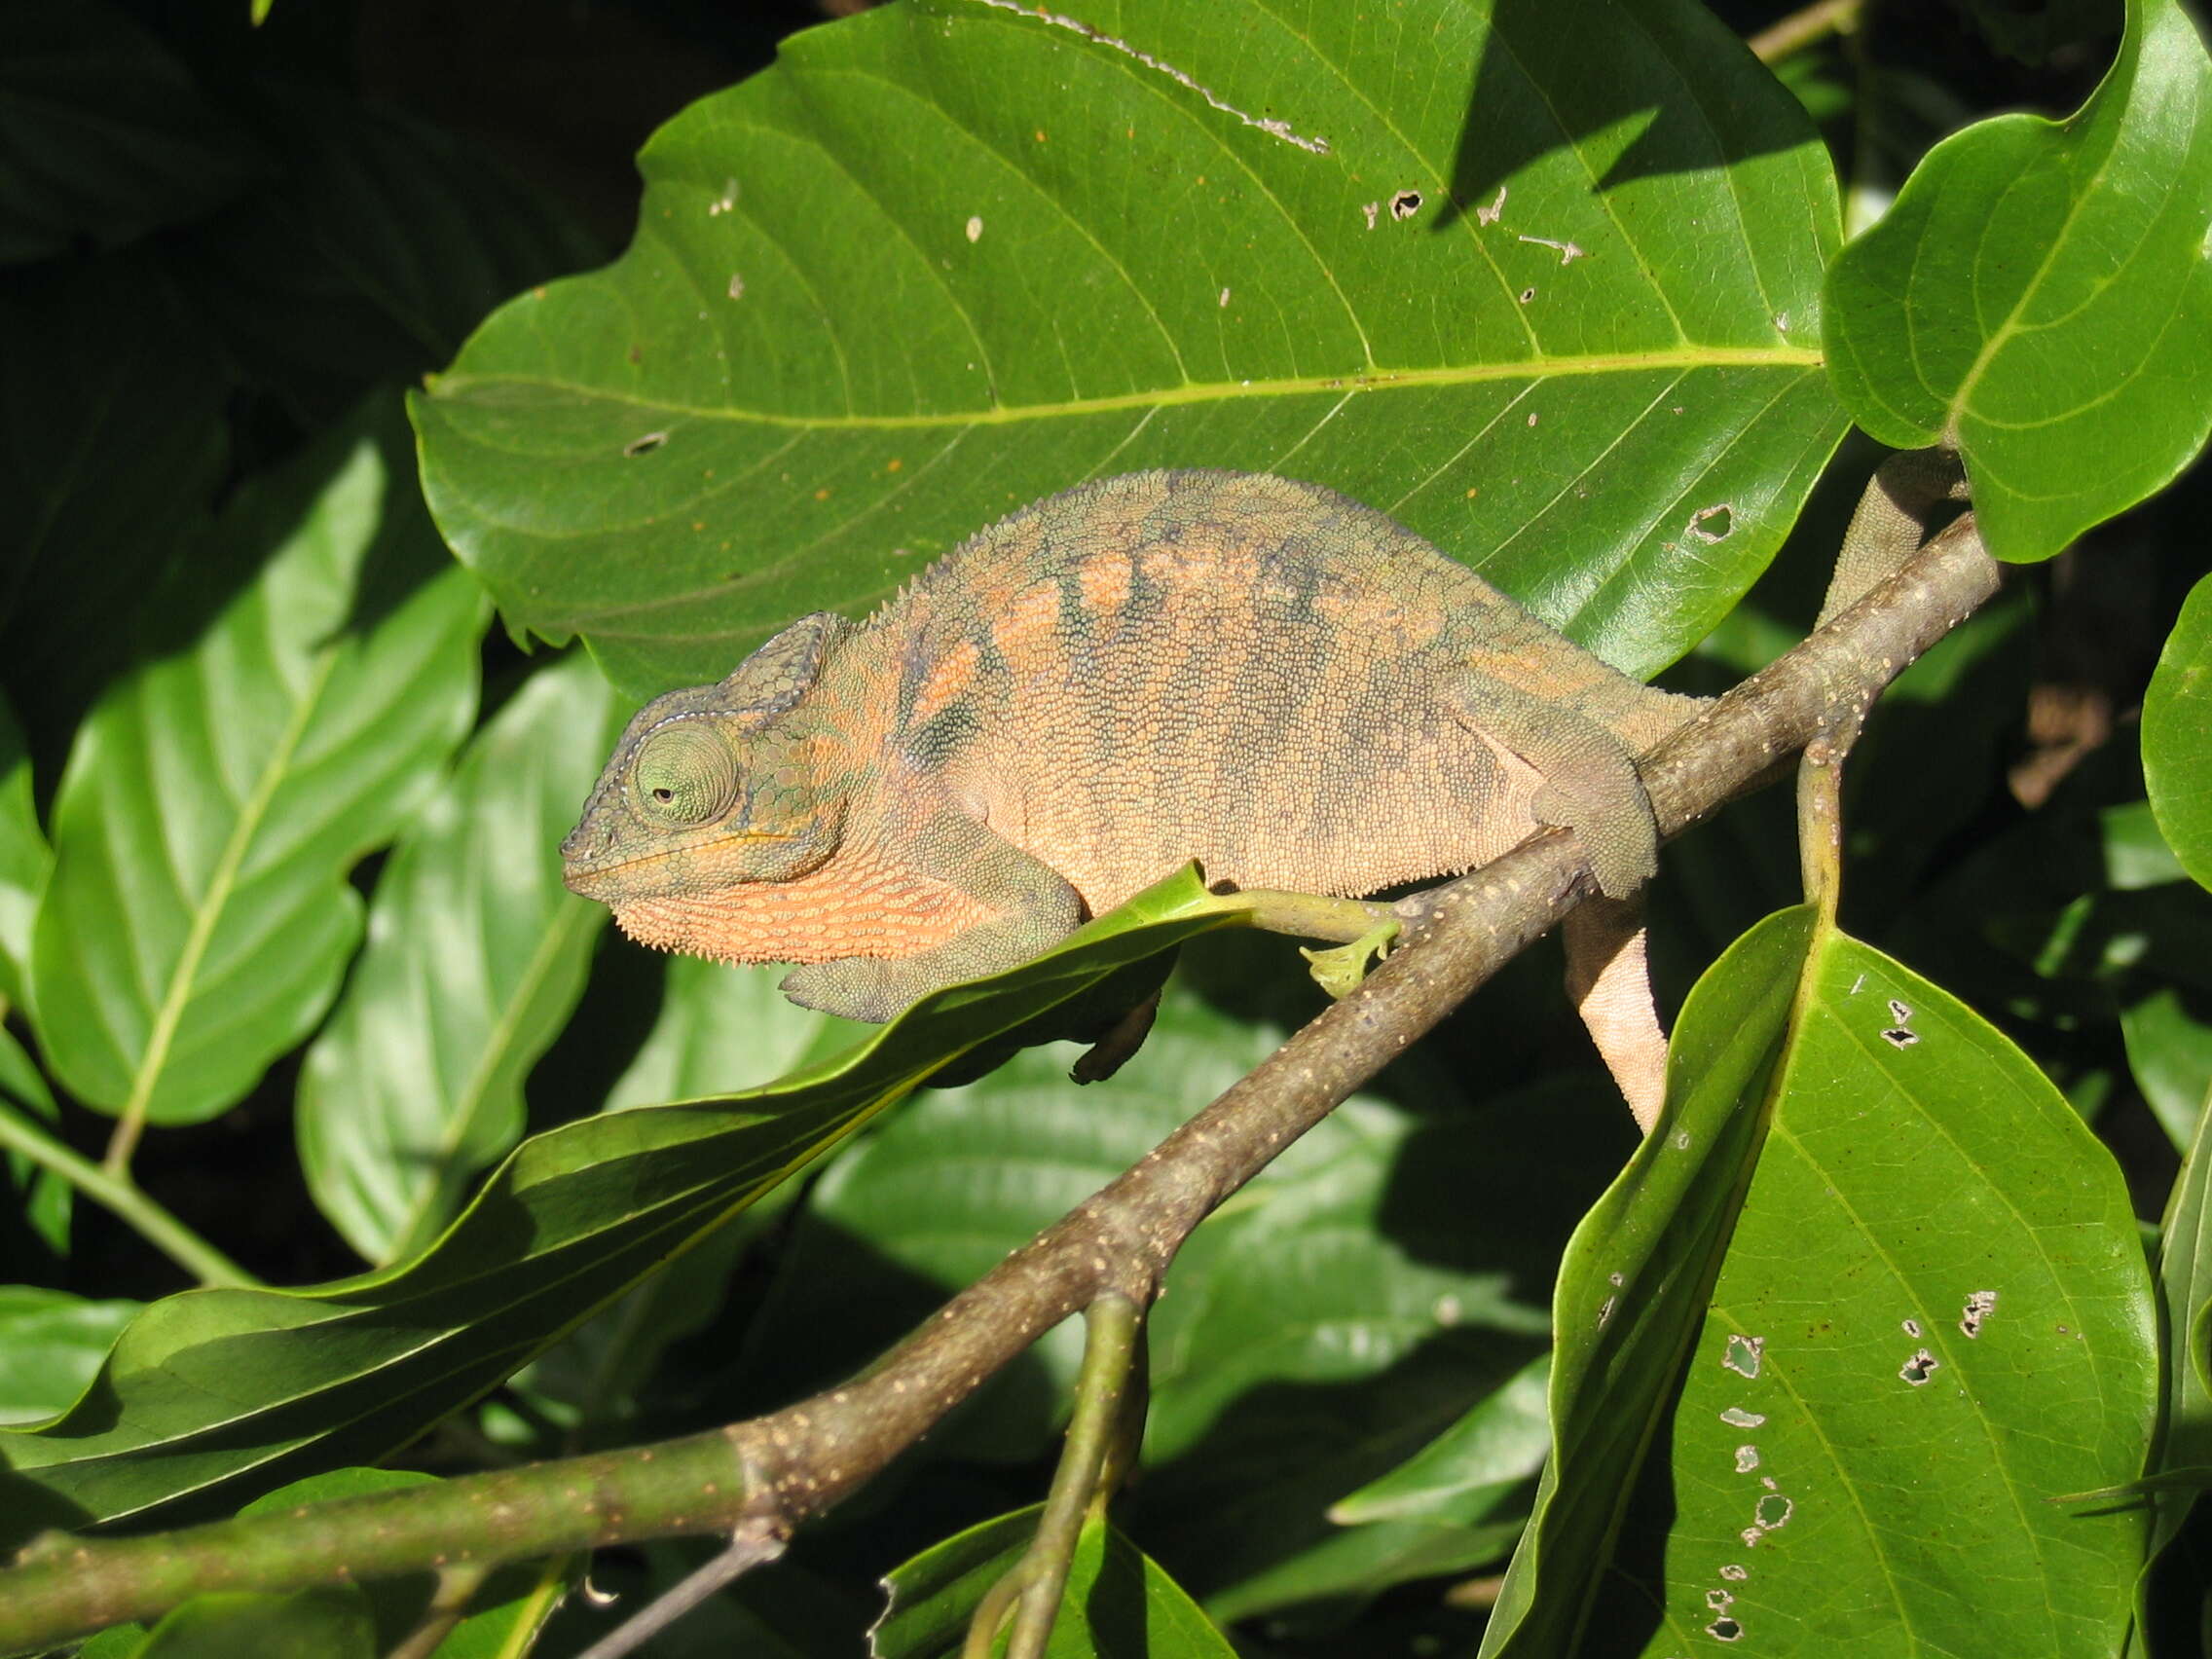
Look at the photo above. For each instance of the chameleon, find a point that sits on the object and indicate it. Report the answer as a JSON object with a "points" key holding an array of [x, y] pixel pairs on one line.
{"points": [[1259, 674]]}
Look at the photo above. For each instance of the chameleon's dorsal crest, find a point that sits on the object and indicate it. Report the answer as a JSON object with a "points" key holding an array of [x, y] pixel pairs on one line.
{"points": [[781, 671]]}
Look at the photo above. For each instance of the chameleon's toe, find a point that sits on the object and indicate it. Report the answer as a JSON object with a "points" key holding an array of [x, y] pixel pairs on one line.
{"points": [[1340, 968]]}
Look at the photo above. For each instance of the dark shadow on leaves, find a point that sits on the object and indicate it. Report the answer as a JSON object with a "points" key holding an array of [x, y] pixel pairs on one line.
{"points": [[1546, 82]]}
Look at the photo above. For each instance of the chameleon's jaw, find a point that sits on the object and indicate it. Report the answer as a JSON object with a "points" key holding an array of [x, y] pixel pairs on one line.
{"points": [[665, 871]]}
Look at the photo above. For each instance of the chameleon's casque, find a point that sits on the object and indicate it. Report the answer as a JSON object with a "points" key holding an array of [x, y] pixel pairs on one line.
{"points": [[1259, 674]]}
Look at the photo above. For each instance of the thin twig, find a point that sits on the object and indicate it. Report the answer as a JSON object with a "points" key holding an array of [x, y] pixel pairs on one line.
{"points": [[1792, 34], [746, 1551]]}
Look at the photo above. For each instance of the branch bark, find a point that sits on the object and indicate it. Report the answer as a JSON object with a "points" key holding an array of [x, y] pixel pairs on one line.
{"points": [[757, 1481]]}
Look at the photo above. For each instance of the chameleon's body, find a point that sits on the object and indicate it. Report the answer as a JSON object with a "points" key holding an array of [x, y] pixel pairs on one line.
{"points": [[1261, 674]]}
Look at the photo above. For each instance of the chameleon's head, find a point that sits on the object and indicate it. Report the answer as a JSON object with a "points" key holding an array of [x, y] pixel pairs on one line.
{"points": [[709, 787]]}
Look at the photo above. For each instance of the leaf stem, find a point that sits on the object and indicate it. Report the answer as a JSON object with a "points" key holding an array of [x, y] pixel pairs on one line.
{"points": [[456, 1586], [1113, 1323], [121, 1195]]}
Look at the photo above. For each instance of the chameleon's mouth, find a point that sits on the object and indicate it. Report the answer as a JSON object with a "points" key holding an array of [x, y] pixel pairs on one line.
{"points": [[588, 876]]}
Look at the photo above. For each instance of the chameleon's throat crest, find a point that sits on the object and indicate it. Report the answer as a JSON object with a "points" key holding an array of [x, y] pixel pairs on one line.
{"points": [[857, 904]]}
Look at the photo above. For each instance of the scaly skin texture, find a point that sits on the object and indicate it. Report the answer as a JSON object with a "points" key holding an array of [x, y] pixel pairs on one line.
{"points": [[1259, 674]]}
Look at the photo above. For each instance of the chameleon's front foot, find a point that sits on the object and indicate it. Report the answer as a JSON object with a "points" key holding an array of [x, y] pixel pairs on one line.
{"points": [[856, 988], [1340, 968]]}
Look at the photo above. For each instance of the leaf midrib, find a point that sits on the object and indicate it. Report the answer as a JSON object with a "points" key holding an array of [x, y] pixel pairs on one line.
{"points": [[222, 882], [451, 388]]}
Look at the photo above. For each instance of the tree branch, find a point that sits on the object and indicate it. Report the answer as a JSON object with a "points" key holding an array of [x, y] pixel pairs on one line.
{"points": [[757, 1481]]}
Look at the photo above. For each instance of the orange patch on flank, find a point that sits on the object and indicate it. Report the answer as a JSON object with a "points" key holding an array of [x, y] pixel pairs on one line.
{"points": [[1361, 611], [1024, 629], [1104, 581], [1187, 565], [954, 673]]}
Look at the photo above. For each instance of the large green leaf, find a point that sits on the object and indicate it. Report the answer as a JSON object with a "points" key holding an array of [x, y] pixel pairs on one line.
{"points": [[1118, 1605], [211, 1396], [2177, 736], [476, 954], [103, 135], [199, 917], [2040, 293], [1931, 1319], [954, 255]]}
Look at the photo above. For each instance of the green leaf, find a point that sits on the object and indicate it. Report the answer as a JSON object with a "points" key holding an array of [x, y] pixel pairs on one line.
{"points": [[2136, 853], [2040, 292], [1118, 1605], [25, 856], [949, 257], [2169, 1054], [2177, 736], [212, 1395], [51, 1345], [1633, 1279], [1931, 1320], [1335, 1578], [476, 955], [1501, 1441], [106, 135], [198, 918]]}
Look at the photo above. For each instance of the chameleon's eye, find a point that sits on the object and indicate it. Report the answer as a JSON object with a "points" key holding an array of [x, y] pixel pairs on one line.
{"points": [[684, 776]]}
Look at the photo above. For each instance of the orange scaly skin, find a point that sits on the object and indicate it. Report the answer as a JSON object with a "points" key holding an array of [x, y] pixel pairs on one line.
{"points": [[1257, 673]]}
